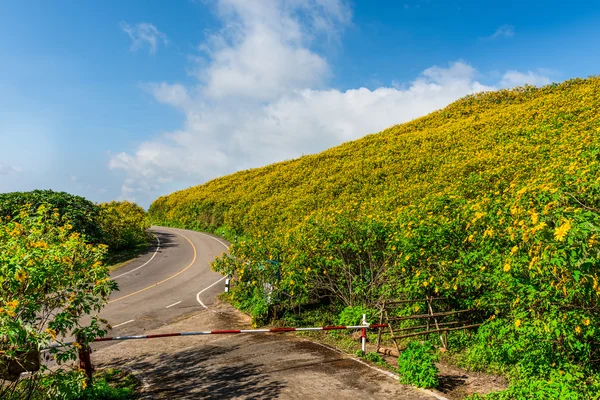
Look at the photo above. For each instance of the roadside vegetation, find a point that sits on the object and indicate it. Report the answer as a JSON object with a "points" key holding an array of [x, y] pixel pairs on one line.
{"points": [[492, 203], [53, 248]]}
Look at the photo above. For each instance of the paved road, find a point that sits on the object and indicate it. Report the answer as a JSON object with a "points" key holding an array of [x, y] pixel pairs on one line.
{"points": [[172, 289], [172, 280]]}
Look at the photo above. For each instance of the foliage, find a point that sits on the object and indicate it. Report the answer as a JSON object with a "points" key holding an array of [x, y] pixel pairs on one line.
{"points": [[569, 384], [49, 279], [416, 365], [120, 225], [123, 224], [352, 316], [108, 384], [492, 203], [111, 384], [78, 212]]}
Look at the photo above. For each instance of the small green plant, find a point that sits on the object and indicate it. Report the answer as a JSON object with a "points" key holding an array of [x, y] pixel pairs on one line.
{"points": [[353, 315], [417, 365], [570, 382]]}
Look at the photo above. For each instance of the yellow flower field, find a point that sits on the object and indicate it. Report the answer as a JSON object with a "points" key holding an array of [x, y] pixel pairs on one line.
{"points": [[492, 199]]}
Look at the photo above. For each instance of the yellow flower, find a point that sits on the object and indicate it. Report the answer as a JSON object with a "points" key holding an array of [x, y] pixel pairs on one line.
{"points": [[20, 276], [514, 250], [517, 323], [561, 231], [52, 333], [578, 329], [586, 321], [506, 267]]}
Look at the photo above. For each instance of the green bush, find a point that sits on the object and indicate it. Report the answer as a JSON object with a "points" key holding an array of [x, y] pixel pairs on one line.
{"points": [[416, 365], [352, 316], [123, 225], [570, 383], [79, 212]]}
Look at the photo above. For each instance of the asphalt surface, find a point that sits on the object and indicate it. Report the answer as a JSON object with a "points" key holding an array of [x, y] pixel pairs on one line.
{"points": [[173, 279]]}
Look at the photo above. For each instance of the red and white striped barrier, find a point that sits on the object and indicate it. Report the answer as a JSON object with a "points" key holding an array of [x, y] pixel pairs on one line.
{"points": [[227, 332]]}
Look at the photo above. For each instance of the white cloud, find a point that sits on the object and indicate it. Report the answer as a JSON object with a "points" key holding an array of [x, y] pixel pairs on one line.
{"points": [[503, 31], [516, 78], [261, 97], [144, 34], [263, 50], [6, 169]]}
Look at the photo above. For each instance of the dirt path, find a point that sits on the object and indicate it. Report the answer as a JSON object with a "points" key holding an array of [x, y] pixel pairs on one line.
{"points": [[245, 366]]}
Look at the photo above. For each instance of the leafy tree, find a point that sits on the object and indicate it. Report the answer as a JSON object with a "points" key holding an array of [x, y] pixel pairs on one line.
{"points": [[123, 224], [80, 213], [50, 278]]}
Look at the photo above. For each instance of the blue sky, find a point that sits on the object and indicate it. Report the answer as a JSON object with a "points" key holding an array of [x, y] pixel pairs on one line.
{"points": [[135, 99]]}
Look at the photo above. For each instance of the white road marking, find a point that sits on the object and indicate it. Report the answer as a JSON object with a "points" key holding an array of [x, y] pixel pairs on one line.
{"points": [[214, 238], [205, 289], [174, 304], [144, 264], [123, 323]]}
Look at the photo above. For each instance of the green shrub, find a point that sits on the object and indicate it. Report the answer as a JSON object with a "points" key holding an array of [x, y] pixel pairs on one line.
{"points": [[352, 315], [416, 365], [568, 384], [123, 225], [77, 211]]}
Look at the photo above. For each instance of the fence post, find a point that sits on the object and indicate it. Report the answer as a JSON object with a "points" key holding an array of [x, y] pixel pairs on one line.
{"points": [[227, 282], [85, 360], [364, 334]]}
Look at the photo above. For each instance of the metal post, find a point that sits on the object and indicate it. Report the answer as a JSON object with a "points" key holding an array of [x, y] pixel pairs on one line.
{"points": [[227, 281], [364, 334]]}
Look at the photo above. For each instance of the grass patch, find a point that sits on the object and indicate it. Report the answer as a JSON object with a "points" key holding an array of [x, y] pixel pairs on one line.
{"points": [[121, 258], [112, 384]]}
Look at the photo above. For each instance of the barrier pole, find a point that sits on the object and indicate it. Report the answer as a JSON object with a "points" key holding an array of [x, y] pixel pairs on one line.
{"points": [[364, 334]]}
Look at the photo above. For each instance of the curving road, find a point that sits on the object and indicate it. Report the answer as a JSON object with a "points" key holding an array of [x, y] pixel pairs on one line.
{"points": [[170, 281]]}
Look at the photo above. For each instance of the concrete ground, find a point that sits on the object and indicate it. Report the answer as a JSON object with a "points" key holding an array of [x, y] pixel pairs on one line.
{"points": [[246, 366]]}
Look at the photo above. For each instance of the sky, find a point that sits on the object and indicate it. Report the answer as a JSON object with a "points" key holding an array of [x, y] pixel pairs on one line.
{"points": [[135, 99]]}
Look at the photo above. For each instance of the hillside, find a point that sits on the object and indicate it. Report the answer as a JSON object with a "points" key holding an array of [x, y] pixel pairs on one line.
{"points": [[492, 202]]}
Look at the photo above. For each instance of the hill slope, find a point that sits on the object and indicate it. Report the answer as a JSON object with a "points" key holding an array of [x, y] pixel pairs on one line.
{"points": [[492, 202]]}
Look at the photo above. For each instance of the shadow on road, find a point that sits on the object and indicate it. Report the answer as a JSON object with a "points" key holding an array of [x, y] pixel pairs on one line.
{"points": [[193, 374], [166, 240]]}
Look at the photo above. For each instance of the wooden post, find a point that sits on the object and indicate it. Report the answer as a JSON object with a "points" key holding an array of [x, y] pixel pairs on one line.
{"points": [[380, 323], [442, 337], [85, 360]]}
